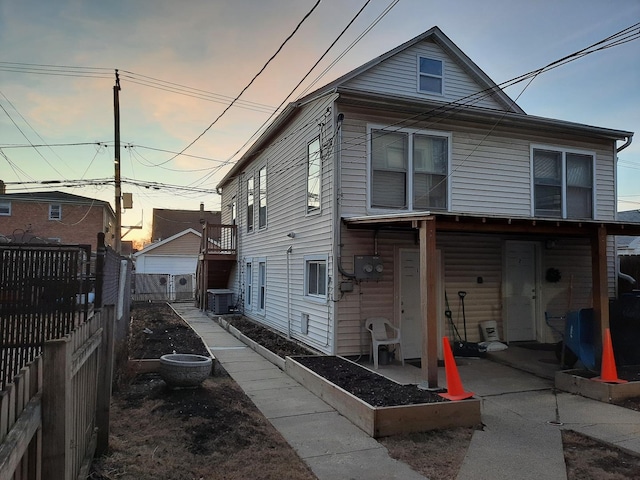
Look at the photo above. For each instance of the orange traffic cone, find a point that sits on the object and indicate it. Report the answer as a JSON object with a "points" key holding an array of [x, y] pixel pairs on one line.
{"points": [[454, 384], [608, 372]]}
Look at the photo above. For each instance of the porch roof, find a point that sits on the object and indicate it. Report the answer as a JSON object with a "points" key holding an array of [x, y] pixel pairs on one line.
{"points": [[474, 223]]}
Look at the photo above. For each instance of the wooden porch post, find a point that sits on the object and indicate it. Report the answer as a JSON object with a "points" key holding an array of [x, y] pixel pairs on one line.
{"points": [[428, 307], [600, 283]]}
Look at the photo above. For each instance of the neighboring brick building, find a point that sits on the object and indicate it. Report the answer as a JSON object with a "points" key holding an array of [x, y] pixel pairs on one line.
{"points": [[167, 223], [55, 217]]}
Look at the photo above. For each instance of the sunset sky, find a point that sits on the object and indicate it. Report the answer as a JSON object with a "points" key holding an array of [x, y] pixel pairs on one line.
{"points": [[181, 64]]}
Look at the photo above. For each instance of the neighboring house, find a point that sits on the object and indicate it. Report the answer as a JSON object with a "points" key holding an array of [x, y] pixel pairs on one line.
{"points": [[628, 249], [410, 177], [167, 223], [176, 254], [628, 245], [55, 217], [166, 270]]}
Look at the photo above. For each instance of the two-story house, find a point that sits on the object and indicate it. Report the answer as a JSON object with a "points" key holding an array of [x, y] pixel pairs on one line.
{"points": [[55, 217], [414, 182]]}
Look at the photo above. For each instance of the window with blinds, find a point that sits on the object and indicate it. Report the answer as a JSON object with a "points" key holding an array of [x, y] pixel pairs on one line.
{"points": [[563, 183], [409, 170]]}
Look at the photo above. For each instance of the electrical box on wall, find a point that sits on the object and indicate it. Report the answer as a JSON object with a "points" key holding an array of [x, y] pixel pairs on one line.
{"points": [[367, 267]]}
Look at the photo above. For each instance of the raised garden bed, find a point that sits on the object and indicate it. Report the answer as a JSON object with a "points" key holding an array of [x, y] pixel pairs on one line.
{"points": [[376, 404], [580, 382]]}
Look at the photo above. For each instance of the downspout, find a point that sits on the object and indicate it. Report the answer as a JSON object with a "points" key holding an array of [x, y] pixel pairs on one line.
{"points": [[624, 276], [336, 201], [288, 293]]}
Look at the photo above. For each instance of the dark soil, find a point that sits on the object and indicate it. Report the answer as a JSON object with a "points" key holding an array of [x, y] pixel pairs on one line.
{"points": [[587, 458], [374, 389], [269, 339], [157, 330], [215, 432], [212, 432]]}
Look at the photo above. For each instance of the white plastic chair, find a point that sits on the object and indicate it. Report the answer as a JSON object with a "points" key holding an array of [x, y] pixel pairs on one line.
{"points": [[383, 332]]}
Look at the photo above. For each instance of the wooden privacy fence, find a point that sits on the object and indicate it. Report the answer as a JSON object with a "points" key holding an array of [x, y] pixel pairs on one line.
{"points": [[43, 295], [57, 417]]}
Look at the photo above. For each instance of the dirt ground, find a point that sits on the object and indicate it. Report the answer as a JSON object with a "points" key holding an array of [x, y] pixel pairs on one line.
{"points": [[215, 432]]}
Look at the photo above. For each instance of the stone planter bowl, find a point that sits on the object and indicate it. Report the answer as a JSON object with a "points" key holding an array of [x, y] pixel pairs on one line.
{"points": [[184, 370]]}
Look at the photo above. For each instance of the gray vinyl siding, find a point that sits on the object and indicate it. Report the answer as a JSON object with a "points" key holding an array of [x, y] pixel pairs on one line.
{"points": [[370, 298], [285, 160], [398, 76], [465, 258], [490, 165]]}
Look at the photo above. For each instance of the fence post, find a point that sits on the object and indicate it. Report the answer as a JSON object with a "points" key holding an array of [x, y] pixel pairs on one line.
{"points": [[104, 382], [101, 251], [56, 410]]}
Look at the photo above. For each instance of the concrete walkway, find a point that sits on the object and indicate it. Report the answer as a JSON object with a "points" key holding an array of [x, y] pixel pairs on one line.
{"points": [[521, 438], [331, 445]]}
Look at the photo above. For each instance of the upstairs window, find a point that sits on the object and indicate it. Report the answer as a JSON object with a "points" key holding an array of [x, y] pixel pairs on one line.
{"points": [[313, 176], [55, 211], [563, 184], [430, 75], [5, 209], [262, 199], [409, 170], [250, 205]]}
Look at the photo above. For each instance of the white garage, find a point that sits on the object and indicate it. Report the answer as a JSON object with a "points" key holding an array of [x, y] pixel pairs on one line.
{"points": [[166, 270]]}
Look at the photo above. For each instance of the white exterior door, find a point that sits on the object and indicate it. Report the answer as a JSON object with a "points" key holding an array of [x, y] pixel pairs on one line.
{"points": [[520, 291], [410, 321], [410, 314]]}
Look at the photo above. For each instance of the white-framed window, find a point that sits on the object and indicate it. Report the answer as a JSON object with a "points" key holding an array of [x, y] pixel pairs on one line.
{"points": [[5, 209], [55, 211], [262, 285], [314, 176], [315, 277], [234, 212], [248, 284], [430, 75], [563, 183], [250, 204], [262, 197], [409, 169]]}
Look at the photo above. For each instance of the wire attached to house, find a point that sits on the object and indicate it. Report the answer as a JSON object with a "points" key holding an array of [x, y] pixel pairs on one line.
{"points": [[251, 81]]}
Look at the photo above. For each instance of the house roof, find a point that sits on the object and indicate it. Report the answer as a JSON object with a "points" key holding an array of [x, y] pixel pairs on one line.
{"points": [[55, 196], [625, 242], [512, 114], [629, 216], [437, 36], [168, 222], [155, 245]]}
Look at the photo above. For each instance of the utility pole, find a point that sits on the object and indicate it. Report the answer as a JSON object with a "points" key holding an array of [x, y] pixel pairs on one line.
{"points": [[116, 116]]}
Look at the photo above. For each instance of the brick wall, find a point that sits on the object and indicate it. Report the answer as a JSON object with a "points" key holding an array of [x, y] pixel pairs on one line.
{"points": [[80, 224]]}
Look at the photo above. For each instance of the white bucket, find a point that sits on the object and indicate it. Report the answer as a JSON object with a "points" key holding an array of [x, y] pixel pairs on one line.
{"points": [[490, 331]]}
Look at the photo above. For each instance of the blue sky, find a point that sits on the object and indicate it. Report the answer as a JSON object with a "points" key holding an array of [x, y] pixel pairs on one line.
{"points": [[218, 46]]}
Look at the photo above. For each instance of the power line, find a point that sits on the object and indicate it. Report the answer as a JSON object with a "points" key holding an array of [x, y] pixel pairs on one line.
{"points": [[260, 128], [252, 80]]}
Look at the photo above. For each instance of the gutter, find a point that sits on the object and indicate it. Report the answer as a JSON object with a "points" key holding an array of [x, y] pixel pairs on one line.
{"points": [[626, 144]]}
